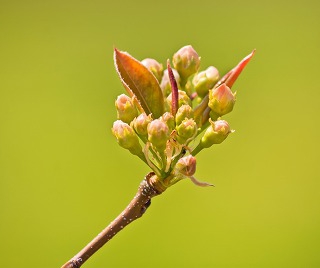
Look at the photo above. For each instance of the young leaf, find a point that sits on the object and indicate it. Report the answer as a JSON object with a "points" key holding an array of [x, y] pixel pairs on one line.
{"points": [[174, 90], [139, 82], [238, 69], [201, 112]]}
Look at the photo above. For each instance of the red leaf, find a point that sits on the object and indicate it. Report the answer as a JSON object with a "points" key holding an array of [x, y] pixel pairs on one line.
{"points": [[236, 71]]}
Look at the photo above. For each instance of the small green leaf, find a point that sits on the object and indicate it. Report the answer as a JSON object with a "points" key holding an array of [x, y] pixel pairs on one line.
{"points": [[139, 82]]}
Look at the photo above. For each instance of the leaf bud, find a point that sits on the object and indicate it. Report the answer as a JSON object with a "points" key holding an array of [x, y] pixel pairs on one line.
{"points": [[221, 100], [205, 80], [165, 84], [155, 67], [185, 111], [186, 61], [141, 123], [126, 137], [186, 130], [186, 165], [158, 134], [126, 111], [216, 133]]}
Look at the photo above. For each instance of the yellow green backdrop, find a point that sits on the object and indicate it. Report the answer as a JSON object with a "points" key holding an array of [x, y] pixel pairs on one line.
{"points": [[63, 177]]}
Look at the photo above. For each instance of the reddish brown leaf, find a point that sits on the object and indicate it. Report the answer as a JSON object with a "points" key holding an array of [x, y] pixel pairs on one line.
{"points": [[174, 90], [139, 82]]}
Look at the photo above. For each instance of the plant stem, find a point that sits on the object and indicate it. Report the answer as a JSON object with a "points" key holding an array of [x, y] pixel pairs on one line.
{"points": [[148, 188]]}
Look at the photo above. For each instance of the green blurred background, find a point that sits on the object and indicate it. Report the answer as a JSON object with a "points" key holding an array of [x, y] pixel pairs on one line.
{"points": [[63, 177]]}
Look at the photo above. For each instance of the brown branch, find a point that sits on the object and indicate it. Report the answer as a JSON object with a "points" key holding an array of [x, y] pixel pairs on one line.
{"points": [[149, 187]]}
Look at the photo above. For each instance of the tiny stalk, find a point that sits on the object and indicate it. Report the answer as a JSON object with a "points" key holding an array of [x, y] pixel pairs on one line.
{"points": [[161, 128]]}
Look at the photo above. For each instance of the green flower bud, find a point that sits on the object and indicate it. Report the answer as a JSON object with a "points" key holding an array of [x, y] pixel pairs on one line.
{"points": [[126, 137], [168, 119], [205, 80], [186, 61], [186, 130], [141, 123], [216, 133], [186, 165], [185, 111], [158, 134], [165, 82], [221, 100], [155, 67], [126, 111], [183, 99]]}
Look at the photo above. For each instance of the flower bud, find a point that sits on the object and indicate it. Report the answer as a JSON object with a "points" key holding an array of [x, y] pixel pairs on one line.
{"points": [[221, 100], [186, 165], [126, 137], [205, 80], [126, 111], [155, 67], [185, 111], [158, 134], [186, 130], [186, 61], [216, 133], [141, 123], [168, 119], [165, 84], [183, 99]]}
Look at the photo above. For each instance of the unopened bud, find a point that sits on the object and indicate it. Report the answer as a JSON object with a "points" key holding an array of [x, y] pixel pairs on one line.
{"points": [[165, 82], [221, 100], [141, 123], [126, 137], [183, 99], [186, 61], [186, 165], [155, 67], [168, 119], [158, 134], [205, 80], [216, 133], [186, 130], [185, 111], [126, 111]]}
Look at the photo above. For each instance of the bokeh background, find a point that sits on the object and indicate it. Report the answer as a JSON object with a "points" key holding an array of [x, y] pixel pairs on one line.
{"points": [[63, 177]]}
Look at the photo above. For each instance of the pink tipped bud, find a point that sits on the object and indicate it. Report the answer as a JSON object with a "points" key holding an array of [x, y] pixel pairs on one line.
{"points": [[187, 165], [221, 100], [158, 134], [216, 133], [186, 61], [185, 111], [165, 82], [141, 123], [205, 80], [183, 98], [126, 137], [186, 130], [168, 119], [126, 111], [155, 67]]}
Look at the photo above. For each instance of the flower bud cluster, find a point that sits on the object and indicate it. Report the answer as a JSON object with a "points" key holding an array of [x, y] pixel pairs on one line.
{"points": [[167, 143]]}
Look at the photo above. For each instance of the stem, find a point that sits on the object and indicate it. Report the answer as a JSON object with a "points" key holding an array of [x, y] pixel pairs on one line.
{"points": [[149, 187], [197, 149]]}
